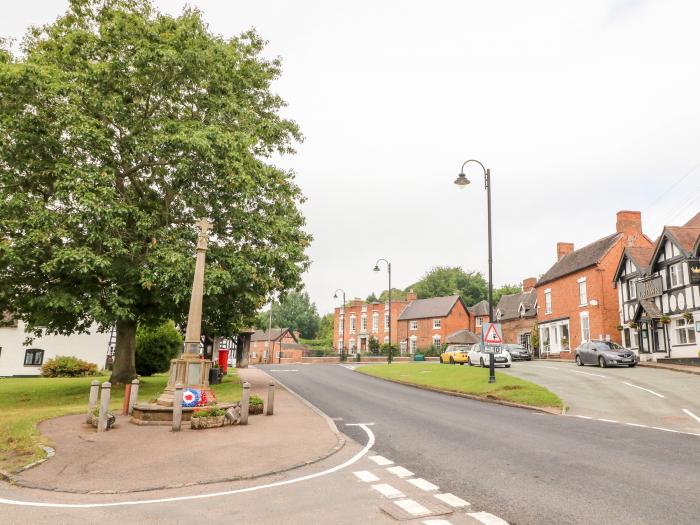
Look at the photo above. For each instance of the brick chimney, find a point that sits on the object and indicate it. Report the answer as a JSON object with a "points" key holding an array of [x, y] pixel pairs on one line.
{"points": [[529, 284], [629, 222], [564, 248], [411, 295], [356, 302]]}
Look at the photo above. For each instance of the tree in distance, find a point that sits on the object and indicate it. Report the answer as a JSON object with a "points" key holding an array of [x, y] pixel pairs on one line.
{"points": [[443, 280], [296, 312], [506, 289], [120, 127]]}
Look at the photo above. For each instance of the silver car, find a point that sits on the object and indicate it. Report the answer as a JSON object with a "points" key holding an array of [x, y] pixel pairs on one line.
{"points": [[604, 354]]}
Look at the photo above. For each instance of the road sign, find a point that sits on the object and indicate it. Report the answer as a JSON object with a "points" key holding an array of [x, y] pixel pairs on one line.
{"points": [[492, 334]]}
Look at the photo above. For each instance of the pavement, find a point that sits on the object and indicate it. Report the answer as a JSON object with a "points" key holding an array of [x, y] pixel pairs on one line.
{"points": [[640, 396], [523, 466], [688, 369]]}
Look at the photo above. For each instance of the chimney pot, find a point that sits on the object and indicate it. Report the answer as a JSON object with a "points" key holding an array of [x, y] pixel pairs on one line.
{"points": [[629, 222], [529, 284], [564, 248], [411, 295]]}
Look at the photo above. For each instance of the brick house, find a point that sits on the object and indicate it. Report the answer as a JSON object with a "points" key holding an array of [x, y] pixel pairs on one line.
{"points": [[281, 340], [479, 315], [657, 283], [426, 323], [576, 300], [355, 324], [517, 314]]}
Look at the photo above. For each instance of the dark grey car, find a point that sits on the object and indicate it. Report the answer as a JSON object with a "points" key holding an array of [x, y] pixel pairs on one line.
{"points": [[518, 352], [604, 354]]}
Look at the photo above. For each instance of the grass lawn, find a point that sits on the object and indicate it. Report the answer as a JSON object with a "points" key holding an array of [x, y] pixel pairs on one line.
{"points": [[468, 380], [24, 402]]}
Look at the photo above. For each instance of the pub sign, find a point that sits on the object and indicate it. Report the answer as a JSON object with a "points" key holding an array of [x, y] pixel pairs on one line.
{"points": [[649, 288], [694, 270]]}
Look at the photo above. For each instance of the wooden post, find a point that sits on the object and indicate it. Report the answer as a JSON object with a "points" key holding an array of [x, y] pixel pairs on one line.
{"points": [[133, 395], [92, 401], [245, 403], [270, 399], [104, 406], [177, 408], [127, 399]]}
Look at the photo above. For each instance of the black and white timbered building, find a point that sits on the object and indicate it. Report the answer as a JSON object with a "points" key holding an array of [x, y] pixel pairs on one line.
{"points": [[659, 295]]}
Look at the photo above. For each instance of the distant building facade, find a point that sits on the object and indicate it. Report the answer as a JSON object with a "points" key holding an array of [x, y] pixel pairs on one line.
{"points": [[280, 343], [355, 324], [517, 314]]}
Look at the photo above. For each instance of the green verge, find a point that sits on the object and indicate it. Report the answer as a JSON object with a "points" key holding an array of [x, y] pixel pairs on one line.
{"points": [[24, 402], [467, 380]]}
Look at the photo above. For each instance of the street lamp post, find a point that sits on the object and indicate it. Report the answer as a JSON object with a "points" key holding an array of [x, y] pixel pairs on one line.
{"points": [[376, 269], [462, 181], [342, 313]]}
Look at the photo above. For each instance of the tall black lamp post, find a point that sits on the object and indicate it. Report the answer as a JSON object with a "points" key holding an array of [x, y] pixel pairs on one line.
{"points": [[462, 181], [376, 269], [342, 316]]}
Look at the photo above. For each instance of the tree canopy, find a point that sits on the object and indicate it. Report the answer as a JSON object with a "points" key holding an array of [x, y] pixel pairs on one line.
{"points": [[119, 127], [443, 280], [296, 312], [506, 289]]}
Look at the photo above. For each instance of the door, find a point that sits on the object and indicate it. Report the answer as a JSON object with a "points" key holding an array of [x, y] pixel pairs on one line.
{"points": [[587, 354]]}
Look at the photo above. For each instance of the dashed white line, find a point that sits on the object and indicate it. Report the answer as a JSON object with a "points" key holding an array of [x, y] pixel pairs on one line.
{"points": [[452, 500], [400, 472], [666, 429], [366, 476], [696, 418], [436, 522], [645, 389], [608, 420], [487, 518], [587, 373], [412, 507], [388, 491], [542, 366], [423, 484], [381, 460], [637, 425], [584, 417]]}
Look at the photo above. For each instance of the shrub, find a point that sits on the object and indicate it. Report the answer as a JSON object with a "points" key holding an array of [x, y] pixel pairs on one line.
{"points": [[155, 347], [67, 366], [209, 412], [255, 400]]}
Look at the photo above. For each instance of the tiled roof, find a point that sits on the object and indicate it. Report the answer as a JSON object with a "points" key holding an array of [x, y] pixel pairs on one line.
{"points": [[641, 256], [509, 305], [275, 333], [464, 337], [580, 259], [694, 222], [480, 309], [686, 237], [433, 307]]}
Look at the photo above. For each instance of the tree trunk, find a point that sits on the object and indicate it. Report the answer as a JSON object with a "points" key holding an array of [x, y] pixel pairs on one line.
{"points": [[124, 369]]}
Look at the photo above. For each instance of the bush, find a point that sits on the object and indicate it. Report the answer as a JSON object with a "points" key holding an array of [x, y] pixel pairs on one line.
{"points": [[209, 412], [155, 347], [255, 400], [67, 366]]}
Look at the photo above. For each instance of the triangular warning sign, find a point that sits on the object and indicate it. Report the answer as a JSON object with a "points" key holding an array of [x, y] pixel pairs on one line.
{"points": [[492, 336]]}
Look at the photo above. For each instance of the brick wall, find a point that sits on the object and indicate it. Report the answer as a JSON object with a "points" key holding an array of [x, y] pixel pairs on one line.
{"points": [[356, 309], [458, 319], [513, 328]]}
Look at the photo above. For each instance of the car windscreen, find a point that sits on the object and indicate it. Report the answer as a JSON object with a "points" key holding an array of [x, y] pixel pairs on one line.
{"points": [[516, 348], [608, 345]]}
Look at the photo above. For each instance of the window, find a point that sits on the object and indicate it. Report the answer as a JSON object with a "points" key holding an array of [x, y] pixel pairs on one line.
{"points": [[478, 321], [386, 321], [627, 338], [564, 336], [582, 295], [352, 345], [363, 322], [436, 323], [386, 339], [341, 324], [375, 322], [352, 324], [632, 288], [340, 345], [585, 327], [675, 275], [402, 347], [436, 341], [33, 357], [413, 325], [685, 332], [548, 301], [412, 345]]}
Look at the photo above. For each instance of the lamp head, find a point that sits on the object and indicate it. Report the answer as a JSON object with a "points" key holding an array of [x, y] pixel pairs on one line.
{"points": [[462, 181], [376, 267], [335, 296]]}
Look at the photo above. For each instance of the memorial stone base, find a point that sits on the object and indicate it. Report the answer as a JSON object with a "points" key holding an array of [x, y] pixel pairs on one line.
{"points": [[191, 373]]}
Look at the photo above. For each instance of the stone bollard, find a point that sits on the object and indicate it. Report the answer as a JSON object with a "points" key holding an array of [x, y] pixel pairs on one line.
{"points": [[177, 408], [92, 402], [104, 406], [127, 399], [245, 403], [133, 395], [270, 399]]}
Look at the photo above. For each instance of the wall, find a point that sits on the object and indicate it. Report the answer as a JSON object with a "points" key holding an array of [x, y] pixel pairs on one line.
{"points": [[89, 347], [458, 319], [514, 327], [396, 309]]}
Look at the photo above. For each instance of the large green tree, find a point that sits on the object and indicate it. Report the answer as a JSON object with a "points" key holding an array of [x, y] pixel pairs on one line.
{"points": [[296, 312], [442, 280], [120, 126], [506, 289]]}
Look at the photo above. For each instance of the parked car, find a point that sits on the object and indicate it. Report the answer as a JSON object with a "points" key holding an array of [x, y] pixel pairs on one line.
{"points": [[518, 352], [455, 354], [604, 354], [479, 357]]}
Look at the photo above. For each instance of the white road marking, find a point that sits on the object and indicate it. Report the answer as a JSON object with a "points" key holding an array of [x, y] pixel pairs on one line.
{"points": [[400, 472], [637, 425], [487, 519], [452, 500], [349, 367], [666, 430], [587, 373], [366, 476], [696, 418], [381, 460], [542, 366], [412, 507], [436, 522], [645, 389], [423, 484], [608, 420], [359, 424], [357, 457], [388, 491], [584, 417]]}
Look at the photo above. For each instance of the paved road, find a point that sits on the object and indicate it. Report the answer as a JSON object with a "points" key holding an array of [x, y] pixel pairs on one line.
{"points": [[526, 467], [641, 396]]}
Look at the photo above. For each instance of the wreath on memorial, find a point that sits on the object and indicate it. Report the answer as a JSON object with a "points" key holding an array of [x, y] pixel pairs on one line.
{"points": [[207, 398], [191, 397]]}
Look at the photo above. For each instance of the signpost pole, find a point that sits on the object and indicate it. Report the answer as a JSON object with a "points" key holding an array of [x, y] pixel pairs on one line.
{"points": [[492, 339]]}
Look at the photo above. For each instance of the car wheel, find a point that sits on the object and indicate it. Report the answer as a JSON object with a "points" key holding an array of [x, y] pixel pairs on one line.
{"points": [[578, 360], [481, 362], [441, 361], [632, 365], [469, 361], [507, 366], [602, 363], [461, 364], [452, 360]]}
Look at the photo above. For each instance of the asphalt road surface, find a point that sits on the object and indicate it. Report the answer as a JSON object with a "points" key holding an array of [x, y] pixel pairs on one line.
{"points": [[524, 466]]}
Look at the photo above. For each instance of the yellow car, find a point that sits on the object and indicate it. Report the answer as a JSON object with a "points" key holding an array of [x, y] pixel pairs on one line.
{"points": [[455, 354]]}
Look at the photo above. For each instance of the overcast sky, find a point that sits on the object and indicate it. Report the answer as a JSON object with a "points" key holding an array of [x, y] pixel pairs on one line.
{"points": [[580, 109]]}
